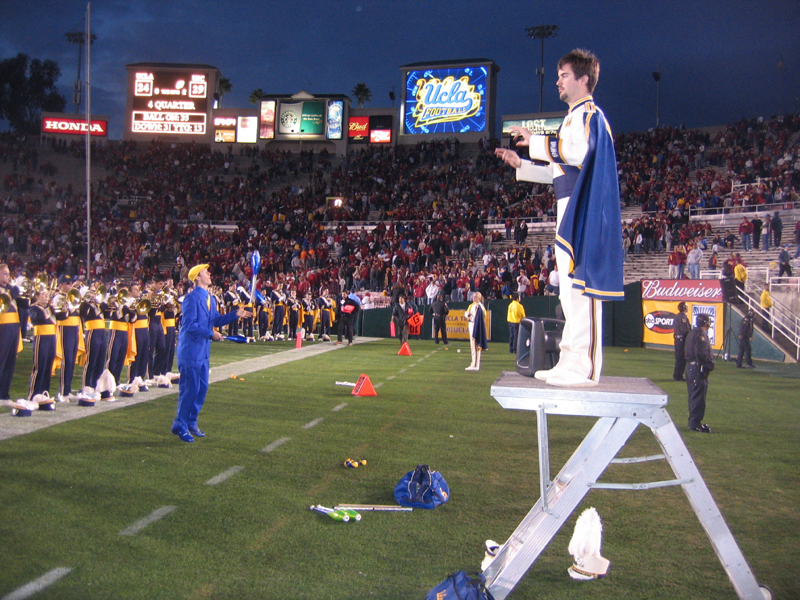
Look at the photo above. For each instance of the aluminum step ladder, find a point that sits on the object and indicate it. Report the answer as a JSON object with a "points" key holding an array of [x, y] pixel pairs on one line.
{"points": [[621, 403]]}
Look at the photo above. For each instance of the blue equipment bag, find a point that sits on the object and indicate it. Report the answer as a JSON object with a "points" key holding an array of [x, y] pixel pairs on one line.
{"points": [[460, 586], [422, 488]]}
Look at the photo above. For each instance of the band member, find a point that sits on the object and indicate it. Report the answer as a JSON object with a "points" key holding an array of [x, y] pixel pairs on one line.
{"points": [[158, 349], [10, 333], [121, 316], [69, 331], [293, 305], [43, 322], [141, 339], [278, 298], [169, 319], [92, 312], [231, 301], [326, 312], [244, 301], [264, 318], [23, 306], [580, 162], [309, 316]]}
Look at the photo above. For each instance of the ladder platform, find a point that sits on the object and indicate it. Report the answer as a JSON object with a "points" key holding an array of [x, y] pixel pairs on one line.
{"points": [[621, 405]]}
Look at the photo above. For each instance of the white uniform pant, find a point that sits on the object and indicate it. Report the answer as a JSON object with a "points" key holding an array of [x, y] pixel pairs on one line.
{"points": [[582, 339], [475, 350]]}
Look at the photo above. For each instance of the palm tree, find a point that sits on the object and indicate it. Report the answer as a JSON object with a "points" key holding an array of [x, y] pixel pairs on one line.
{"points": [[362, 94], [257, 96], [224, 86]]}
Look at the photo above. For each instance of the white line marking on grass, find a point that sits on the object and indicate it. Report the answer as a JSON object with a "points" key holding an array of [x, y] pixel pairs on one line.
{"points": [[402, 371], [338, 408], [377, 385], [275, 444], [154, 516], [390, 377], [313, 423], [412, 365], [429, 355], [224, 476], [420, 360], [34, 587]]}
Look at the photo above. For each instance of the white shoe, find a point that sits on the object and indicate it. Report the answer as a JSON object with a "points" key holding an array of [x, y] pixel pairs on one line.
{"points": [[471, 368], [543, 375], [570, 379], [62, 398]]}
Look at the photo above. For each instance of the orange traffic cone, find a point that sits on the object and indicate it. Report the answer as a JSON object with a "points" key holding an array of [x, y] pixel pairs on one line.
{"points": [[404, 350], [364, 387], [298, 338]]}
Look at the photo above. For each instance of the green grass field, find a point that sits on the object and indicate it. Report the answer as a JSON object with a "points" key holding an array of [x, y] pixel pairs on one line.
{"points": [[69, 490]]}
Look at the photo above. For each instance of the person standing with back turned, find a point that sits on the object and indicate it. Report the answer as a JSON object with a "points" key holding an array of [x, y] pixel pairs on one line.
{"points": [[700, 362], [200, 317], [581, 164]]}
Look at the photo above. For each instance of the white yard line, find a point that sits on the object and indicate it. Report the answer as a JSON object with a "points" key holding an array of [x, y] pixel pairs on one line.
{"points": [[154, 516], [34, 587], [338, 408], [224, 476], [275, 444], [313, 423]]}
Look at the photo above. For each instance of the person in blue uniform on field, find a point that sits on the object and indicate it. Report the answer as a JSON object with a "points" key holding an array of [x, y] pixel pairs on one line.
{"points": [[199, 319], [10, 333], [44, 347]]}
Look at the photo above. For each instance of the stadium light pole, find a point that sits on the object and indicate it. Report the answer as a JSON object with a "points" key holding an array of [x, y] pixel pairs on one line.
{"points": [[541, 32], [657, 78]]}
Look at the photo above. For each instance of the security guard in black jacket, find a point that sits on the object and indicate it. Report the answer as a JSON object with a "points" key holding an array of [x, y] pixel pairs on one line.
{"points": [[745, 333], [700, 362], [680, 330], [440, 312]]}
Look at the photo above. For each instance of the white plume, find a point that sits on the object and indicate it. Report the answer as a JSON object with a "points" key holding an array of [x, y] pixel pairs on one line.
{"points": [[588, 535]]}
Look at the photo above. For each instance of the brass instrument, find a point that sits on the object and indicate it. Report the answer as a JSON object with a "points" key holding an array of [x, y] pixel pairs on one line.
{"points": [[99, 295], [116, 301], [5, 303], [66, 303], [164, 300], [143, 306]]}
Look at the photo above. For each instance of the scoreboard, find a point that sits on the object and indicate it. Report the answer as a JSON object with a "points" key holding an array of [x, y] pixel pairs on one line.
{"points": [[172, 100]]}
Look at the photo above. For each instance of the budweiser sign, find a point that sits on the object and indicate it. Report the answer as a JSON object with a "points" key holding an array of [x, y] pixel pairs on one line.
{"points": [[687, 290], [358, 126], [73, 126]]}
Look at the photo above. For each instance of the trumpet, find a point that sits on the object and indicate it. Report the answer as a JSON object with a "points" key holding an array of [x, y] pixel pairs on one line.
{"points": [[98, 296], [117, 300], [66, 303]]}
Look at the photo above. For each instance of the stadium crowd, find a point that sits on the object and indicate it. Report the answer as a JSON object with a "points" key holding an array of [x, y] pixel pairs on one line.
{"points": [[166, 206]]}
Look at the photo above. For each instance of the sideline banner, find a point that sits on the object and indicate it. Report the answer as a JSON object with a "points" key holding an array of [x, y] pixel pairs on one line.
{"points": [[457, 325], [660, 298]]}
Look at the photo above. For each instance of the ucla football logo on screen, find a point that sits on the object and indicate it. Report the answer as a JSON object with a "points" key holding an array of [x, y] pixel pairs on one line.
{"points": [[440, 101]]}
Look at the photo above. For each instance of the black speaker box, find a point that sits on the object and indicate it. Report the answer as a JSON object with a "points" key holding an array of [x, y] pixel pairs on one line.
{"points": [[537, 345]]}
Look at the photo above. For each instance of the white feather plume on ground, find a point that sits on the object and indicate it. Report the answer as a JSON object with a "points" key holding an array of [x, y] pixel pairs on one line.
{"points": [[585, 547]]}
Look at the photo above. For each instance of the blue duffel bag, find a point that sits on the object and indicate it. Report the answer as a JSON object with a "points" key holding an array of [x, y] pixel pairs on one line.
{"points": [[422, 488], [460, 586]]}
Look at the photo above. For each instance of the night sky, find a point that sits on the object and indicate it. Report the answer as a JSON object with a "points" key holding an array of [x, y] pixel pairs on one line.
{"points": [[719, 60]]}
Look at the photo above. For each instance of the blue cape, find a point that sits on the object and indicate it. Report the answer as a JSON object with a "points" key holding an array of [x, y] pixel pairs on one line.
{"points": [[590, 229]]}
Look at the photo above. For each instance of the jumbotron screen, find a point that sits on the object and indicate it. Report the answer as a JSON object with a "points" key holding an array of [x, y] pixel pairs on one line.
{"points": [[170, 102], [446, 100]]}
